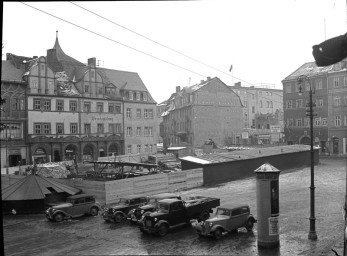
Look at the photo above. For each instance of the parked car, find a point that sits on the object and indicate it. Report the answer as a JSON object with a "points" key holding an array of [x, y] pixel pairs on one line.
{"points": [[174, 213], [120, 210], [75, 206], [226, 219], [136, 214]]}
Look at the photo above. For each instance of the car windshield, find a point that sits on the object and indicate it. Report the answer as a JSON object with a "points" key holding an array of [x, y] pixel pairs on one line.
{"points": [[124, 201], [152, 201], [70, 200], [164, 207], [224, 212]]}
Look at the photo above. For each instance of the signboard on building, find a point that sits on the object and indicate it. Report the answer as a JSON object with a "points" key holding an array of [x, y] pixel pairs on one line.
{"points": [[275, 128], [244, 135], [273, 226]]}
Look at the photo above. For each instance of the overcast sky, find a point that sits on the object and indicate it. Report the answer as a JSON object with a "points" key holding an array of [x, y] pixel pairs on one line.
{"points": [[265, 40]]}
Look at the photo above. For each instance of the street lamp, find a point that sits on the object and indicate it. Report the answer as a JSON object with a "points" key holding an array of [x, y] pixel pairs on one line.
{"points": [[312, 234]]}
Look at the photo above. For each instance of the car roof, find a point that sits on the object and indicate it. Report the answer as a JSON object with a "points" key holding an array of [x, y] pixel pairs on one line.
{"points": [[233, 207], [169, 200], [133, 196], [164, 195], [80, 196]]}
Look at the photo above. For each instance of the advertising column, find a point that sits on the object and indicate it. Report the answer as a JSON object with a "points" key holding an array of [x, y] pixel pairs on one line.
{"points": [[267, 189]]}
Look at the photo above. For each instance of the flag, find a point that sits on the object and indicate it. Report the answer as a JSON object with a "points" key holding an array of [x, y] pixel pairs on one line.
{"points": [[231, 68]]}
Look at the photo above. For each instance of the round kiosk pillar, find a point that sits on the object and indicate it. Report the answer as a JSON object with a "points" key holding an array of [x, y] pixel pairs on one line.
{"points": [[267, 188]]}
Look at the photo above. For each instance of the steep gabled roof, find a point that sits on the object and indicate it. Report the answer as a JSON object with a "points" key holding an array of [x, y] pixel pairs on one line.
{"points": [[35, 187], [9, 72], [309, 69]]}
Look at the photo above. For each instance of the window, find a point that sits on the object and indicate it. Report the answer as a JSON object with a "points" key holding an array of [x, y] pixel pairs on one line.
{"points": [[86, 88], [86, 107], [131, 96], [86, 128], [100, 89], [138, 113], [129, 151], [100, 128], [319, 103], [345, 80], [150, 148], [289, 104], [146, 132], [146, 113], [150, 129], [299, 122], [306, 122], [138, 131], [290, 122], [129, 131], [317, 121], [337, 120], [307, 86], [253, 109], [138, 148], [60, 105], [11, 130], [60, 128], [337, 101], [128, 113], [324, 122], [73, 105], [37, 104], [46, 104], [114, 128], [42, 128], [117, 108], [144, 96], [299, 103], [18, 104], [138, 96], [319, 84], [150, 113], [110, 108], [261, 104], [73, 128], [100, 107], [336, 82]]}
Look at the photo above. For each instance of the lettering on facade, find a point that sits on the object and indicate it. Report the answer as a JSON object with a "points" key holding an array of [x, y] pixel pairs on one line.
{"points": [[103, 119]]}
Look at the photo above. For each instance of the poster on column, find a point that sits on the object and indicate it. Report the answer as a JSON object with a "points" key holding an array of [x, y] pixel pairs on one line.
{"points": [[273, 226]]}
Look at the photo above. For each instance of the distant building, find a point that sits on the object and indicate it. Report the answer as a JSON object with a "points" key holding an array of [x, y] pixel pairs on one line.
{"points": [[77, 111], [208, 111], [329, 85]]}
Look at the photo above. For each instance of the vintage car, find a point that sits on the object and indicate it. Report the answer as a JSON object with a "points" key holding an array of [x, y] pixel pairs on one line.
{"points": [[136, 214], [75, 206], [120, 210], [226, 219]]}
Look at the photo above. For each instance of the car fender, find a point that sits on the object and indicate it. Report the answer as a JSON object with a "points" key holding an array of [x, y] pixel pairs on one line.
{"points": [[251, 218], [97, 206], [214, 228], [62, 212], [157, 225], [120, 212]]}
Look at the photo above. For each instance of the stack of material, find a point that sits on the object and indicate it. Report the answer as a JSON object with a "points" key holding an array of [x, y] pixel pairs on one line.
{"points": [[166, 162], [53, 170]]}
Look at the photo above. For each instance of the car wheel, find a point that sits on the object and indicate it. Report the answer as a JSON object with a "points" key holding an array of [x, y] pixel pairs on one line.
{"points": [[163, 230], [59, 217], [218, 234], [250, 225], [94, 211], [118, 218]]}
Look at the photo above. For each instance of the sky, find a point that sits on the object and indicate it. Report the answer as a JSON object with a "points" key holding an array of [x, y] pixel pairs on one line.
{"points": [[179, 43]]}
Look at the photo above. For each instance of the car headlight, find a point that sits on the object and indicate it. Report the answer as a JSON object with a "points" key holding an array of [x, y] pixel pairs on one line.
{"points": [[155, 219], [142, 211], [211, 224]]}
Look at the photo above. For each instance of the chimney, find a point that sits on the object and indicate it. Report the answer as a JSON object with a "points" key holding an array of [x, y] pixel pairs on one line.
{"points": [[238, 85], [178, 89], [201, 81], [208, 78], [92, 61]]}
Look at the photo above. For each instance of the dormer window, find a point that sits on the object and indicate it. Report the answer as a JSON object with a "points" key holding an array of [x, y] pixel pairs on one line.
{"points": [[144, 96], [131, 96], [138, 96]]}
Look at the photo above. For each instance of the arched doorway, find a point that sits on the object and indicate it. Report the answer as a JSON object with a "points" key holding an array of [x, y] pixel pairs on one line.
{"points": [[305, 140], [40, 156], [70, 152], [113, 149], [335, 145], [88, 153], [56, 156]]}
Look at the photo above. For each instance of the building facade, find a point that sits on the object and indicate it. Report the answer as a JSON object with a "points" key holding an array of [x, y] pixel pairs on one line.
{"points": [[77, 111], [329, 87], [199, 113]]}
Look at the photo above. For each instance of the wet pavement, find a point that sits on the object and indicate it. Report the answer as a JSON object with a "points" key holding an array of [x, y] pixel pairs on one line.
{"points": [[34, 235]]}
